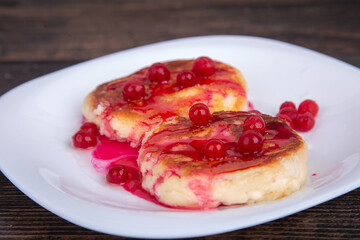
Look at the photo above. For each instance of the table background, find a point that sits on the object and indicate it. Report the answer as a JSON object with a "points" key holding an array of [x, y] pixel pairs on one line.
{"points": [[38, 37]]}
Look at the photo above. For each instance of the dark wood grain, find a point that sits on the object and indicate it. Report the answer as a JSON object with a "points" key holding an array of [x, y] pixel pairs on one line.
{"points": [[79, 30], [38, 37]]}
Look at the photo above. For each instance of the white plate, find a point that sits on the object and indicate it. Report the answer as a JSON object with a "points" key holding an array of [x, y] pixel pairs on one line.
{"points": [[39, 117]]}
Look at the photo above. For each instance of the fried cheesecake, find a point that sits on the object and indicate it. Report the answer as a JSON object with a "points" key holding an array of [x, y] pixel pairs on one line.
{"points": [[126, 108], [178, 170]]}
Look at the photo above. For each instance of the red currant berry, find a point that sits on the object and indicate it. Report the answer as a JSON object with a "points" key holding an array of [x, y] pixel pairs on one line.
{"points": [[83, 139], [158, 72], [304, 122], [90, 128], [186, 79], [309, 106], [204, 67], [287, 119], [250, 142], [214, 148], [254, 122], [133, 90], [117, 174], [291, 112], [288, 104], [199, 114]]}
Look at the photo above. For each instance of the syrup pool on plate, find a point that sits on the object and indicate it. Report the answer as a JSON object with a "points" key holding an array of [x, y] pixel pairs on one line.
{"points": [[109, 153]]}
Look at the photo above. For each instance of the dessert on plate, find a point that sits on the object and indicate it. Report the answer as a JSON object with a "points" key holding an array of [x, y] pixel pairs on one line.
{"points": [[178, 134], [236, 158], [126, 108]]}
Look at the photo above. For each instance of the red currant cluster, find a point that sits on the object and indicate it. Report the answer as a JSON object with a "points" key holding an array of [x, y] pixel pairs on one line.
{"points": [[200, 115], [250, 141], [301, 119], [86, 137], [159, 72]]}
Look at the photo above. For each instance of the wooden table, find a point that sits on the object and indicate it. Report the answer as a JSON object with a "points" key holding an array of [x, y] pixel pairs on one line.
{"points": [[38, 37]]}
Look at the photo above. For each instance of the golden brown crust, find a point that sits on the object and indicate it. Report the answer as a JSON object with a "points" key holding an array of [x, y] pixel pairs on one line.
{"points": [[233, 122], [180, 179], [102, 94], [105, 106]]}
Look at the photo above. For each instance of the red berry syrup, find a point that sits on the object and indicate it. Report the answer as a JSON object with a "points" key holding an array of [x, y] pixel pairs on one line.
{"points": [[110, 154]]}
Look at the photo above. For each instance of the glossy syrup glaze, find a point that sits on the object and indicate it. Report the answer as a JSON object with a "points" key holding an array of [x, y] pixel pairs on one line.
{"points": [[111, 94], [109, 152], [189, 141]]}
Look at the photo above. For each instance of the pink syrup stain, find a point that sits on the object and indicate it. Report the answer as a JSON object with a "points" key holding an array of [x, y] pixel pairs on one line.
{"points": [[110, 152]]}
